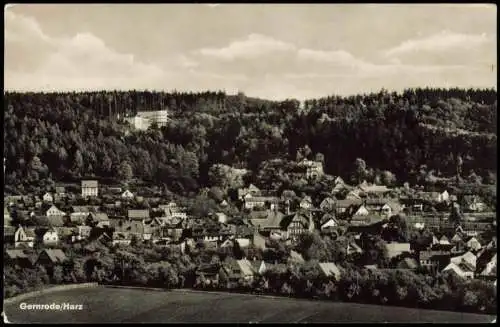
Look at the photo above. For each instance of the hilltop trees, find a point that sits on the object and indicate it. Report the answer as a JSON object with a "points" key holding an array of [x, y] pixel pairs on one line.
{"points": [[73, 135]]}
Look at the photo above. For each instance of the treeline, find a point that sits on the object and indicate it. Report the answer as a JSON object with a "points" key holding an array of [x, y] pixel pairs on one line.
{"points": [[64, 136], [152, 266]]}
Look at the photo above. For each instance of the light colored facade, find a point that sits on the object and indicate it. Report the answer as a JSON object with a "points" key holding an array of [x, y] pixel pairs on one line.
{"points": [[53, 211], [90, 188], [50, 237], [144, 119]]}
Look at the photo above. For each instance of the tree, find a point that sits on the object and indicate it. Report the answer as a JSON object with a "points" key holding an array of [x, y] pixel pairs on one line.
{"points": [[78, 162], [360, 170], [388, 178], [237, 251], [125, 171]]}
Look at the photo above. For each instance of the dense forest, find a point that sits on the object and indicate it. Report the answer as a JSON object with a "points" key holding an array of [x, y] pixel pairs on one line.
{"points": [[52, 137]]}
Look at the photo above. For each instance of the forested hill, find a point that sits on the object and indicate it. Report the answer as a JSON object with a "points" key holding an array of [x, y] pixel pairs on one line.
{"points": [[68, 136]]}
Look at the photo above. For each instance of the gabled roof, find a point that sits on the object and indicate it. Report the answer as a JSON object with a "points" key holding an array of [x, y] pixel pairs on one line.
{"points": [[16, 254], [55, 221], [55, 255], [89, 183], [300, 216], [246, 267], [329, 269], [266, 219], [100, 216]]}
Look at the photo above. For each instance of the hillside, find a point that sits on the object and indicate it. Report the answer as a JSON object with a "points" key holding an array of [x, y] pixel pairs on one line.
{"points": [[68, 136], [185, 307]]}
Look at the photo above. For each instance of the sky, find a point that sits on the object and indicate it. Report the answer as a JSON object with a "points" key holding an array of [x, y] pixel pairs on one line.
{"points": [[273, 51]]}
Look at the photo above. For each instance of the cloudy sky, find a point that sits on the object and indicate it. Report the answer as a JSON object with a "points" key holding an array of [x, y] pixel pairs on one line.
{"points": [[266, 50]]}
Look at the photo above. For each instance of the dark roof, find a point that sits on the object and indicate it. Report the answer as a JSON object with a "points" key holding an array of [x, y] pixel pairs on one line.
{"points": [[16, 254], [266, 219], [55, 255]]}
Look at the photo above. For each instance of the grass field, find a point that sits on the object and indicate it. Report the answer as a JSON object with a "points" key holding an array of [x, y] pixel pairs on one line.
{"points": [[114, 305]]}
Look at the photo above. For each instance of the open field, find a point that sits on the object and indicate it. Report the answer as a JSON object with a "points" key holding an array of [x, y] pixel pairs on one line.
{"points": [[113, 305]]}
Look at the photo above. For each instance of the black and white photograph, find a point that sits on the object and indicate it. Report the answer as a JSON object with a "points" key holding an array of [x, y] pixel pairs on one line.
{"points": [[250, 163]]}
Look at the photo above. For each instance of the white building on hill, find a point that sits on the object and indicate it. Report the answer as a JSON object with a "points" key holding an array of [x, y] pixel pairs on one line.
{"points": [[143, 119]]}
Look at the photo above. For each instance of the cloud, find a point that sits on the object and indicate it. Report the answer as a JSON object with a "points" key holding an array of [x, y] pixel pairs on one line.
{"points": [[339, 57], [254, 46], [82, 61], [442, 41]]}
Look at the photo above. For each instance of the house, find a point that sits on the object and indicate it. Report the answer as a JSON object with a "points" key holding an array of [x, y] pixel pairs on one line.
{"points": [[444, 240], [306, 203], [48, 198], [17, 258], [256, 202], [9, 233], [221, 217], [53, 211], [24, 237], [467, 258], [338, 181], [60, 191], [339, 188], [259, 267], [121, 238], [236, 270], [473, 244], [329, 269], [208, 274], [328, 221], [98, 219], [127, 195], [328, 204], [473, 203], [83, 233], [90, 188], [490, 270], [443, 197], [268, 220], [140, 215], [353, 247], [297, 224], [395, 249], [132, 228], [360, 210], [259, 241], [461, 270], [223, 203], [353, 195], [342, 206], [50, 237], [49, 258], [314, 169], [79, 214], [252, 190], [457, 238], [434, 260], [390, 208]]}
